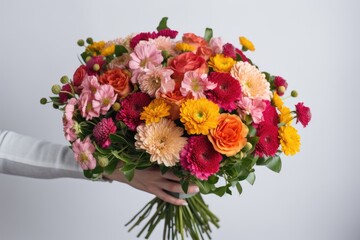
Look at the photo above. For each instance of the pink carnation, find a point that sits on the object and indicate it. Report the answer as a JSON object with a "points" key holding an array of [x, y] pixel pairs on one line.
{"points": [[216, 45], [303, 114], [102, 131], [83, 151], [200, 158], [229, 50]]}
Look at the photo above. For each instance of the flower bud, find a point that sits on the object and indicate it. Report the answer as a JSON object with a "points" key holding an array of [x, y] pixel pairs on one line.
{"points": [[281, 89], [55, 89], [89, 40], [64, 79], [248, 146], [80, 42], [96, 67], [103, 161], [43, 101], [116, 107], [88, 58], [294, 93]]}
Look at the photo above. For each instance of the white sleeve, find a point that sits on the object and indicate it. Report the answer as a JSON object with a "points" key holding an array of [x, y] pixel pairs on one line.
{"points": [[25, 156]]}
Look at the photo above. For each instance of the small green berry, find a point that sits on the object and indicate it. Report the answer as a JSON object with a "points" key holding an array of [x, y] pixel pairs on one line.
{"points": [[55, 89]]}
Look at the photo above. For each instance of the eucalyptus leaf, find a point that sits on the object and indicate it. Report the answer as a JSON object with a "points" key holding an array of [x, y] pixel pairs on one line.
{"points": [[251, 178]]}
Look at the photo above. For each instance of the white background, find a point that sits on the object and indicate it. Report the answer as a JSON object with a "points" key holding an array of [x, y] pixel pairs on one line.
{"points": [[313, 44]]}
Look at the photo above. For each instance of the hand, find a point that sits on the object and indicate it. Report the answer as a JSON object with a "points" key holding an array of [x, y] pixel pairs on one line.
{"points": [[152, 181]]}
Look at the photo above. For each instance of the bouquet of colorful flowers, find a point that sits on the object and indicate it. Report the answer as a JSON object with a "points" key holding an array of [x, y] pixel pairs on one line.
{"points": [[197, 106]]}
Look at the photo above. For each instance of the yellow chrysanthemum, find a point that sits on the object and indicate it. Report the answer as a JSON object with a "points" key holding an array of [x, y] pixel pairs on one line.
{"points": [[220, 63], [285, 116], [289, 140], [199, 116], [156, 110], [108, 50], [184, 47], [95, 47], [247, 44], [277, 101]]}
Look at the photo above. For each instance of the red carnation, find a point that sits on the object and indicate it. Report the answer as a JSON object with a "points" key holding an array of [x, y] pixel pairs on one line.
{"points": [[227, 91], [144, 36], [268, 142], [200, 158], [131, 107], [168, 33], [280, 82], [102, 131], [303, 114], [64, 93]]}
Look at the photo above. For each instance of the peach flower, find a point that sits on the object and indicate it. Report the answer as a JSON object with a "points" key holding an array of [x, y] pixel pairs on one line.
{"points": [[229, 137], [194, 40], [118, 79]]}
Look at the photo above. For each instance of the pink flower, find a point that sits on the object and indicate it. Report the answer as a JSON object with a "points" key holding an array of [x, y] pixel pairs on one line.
{"points": [[280, 82], [229, 50], [70, 108], [145, 55], [102, 132], [83, 151], [270, 114], [104, 98], [131, 107], [303, 114], [91, 69], [156, 79], [253, 107], [200, 158], [268, 139], [69, 131], [90, 84], [216, 45], [168, 33], [227, 91], [86, 107], [196, 83]]}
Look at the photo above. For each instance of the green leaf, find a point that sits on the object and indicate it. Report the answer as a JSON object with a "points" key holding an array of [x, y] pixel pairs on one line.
{"points": [[238, 57], [118, 139], [120, 50], [251, 178], [213, 179], [274, 163], [84, 55], [208, 34], [128, 167], [239, 188], [203, 186], [220, 191], [129, 174], [162, 24], [184, 185], [110, 168]]}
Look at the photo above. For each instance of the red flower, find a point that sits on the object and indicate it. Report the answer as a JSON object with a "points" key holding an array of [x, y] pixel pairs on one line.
{"points": [[79, 75], [168, 33], [200, 158], [227, 91], [91, 69], [142, 36], [270, 115], [268, 139], [242, 55], [64, 95], [102, 131], [229, 50], [280, 82], [303, 114], [131, 107]]}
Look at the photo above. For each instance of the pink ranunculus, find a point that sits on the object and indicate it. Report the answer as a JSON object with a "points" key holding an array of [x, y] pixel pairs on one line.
{"points": [[104, 98], [83, 151]]}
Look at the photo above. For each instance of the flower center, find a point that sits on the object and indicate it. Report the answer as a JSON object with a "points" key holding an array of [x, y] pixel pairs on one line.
{"points": [[83, 157]]}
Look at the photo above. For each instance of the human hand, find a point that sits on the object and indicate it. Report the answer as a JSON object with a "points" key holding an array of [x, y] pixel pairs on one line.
{"points": [[152, 181]]}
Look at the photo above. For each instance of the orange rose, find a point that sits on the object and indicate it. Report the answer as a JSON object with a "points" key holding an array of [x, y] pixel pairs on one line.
{"points": [[186, 62], [174, 99], [118, 79], [229, 137], [194, 40]]}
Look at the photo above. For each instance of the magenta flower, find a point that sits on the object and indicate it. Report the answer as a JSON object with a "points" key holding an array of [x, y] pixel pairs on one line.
{"points": [[200, 158], [145, 55], [102, 132], [196, 83], [104, 98], [168, 33], [270, 114], [268, 142], [94, 65], [280, 82], [144, 36], [303, 114], [65, 93], [83, 151]]}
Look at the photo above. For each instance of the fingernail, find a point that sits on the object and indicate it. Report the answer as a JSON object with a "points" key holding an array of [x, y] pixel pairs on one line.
{"points": [[196, 189], [184, 203]]}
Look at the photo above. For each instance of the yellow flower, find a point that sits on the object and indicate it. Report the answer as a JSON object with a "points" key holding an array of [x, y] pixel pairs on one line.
{"points": [[285, 116], [95, 47], [289, 140], [220, 63], [184, 47], [199, 116], [247, 44], [156, 110], [278, 102], [108, 50]]}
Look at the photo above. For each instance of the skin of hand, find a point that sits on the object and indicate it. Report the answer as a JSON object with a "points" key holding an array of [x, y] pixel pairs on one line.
{"points": [[152, 181]]}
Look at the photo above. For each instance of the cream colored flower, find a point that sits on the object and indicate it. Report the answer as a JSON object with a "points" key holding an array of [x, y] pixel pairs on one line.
{"points": [[162, 140], [253, 82]]}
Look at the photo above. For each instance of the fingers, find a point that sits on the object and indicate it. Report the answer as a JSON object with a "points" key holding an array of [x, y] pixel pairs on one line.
{"points": [[170, 199], [171, 176]]}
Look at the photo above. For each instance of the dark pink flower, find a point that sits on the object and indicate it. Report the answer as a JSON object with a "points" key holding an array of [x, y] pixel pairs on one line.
{"points": [[168, 33], [268, 139], [200, 158], [131, 107], [227, 91], [229, 50], [102, 132], [142, 36], [270, 115], [64, 93], [303, 114], [94, 65], [280, 82], [242, 55]]}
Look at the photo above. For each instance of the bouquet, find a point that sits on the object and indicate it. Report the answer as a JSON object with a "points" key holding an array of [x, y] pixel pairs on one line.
{"points": [[197, 106]]}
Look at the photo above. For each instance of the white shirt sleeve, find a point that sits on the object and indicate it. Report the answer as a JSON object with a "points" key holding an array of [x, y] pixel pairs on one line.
{"points": [[25, 156]]}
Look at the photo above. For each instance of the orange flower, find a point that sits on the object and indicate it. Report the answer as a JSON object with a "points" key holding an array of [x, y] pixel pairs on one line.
{"points": [[194, 40], [174, 99], [229, 137], [118, 79]]}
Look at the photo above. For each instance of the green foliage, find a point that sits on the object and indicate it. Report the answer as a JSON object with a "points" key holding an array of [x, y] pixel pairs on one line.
{"points": [[162, 24], [208, 34], [120, 50]]}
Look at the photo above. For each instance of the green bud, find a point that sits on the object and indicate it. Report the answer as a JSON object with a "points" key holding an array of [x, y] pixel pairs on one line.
{"points": [[96, 67], [294, 93], [89, 40], [281, 89], [248, 146], [116, 107], [103, 161], [43, 101], [64, 79], [80, 43], [55, 89], [88, 58]]}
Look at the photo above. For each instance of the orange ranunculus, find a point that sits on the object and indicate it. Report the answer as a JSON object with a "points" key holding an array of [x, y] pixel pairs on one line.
{"points": [[194, 40], [118, 79], [186, 62], [229, 137]]}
